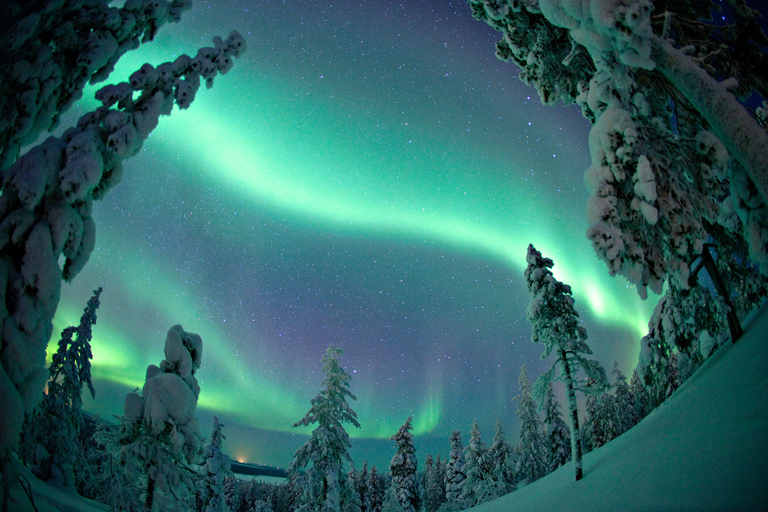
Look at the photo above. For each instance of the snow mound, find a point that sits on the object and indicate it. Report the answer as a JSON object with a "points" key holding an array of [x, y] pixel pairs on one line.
{"points": [[705, 448]]}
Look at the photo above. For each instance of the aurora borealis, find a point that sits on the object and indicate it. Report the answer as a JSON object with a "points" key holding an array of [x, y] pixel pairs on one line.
{"points": [[369, 176]]}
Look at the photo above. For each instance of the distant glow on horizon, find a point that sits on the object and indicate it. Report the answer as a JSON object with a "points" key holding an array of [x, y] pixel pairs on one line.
{"points": [[385, 207]]}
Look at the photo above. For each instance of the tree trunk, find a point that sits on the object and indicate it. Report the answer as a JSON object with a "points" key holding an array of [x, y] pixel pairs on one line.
{"points": [[573, 413], [734, 326], [744, 138]]}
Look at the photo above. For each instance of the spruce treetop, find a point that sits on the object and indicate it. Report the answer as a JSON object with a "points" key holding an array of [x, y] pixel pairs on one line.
{"points": [[330, 407]]}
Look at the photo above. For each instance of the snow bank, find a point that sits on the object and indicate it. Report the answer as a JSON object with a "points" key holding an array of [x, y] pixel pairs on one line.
{"points": [[704, 449]]}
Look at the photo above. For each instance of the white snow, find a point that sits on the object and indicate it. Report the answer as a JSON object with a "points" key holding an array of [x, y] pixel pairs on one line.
{"points": [[705, 448]]}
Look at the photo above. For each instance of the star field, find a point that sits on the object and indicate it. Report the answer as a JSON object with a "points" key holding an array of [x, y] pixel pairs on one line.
{"points": [[368, 175]]}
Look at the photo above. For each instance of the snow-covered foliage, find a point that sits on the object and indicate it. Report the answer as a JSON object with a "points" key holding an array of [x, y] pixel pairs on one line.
{"points": [[677, 161], [557, 434], [374, 491], [480, 485], [108, 482], [160, 436], [532, 461], [216, 468], [641, 397], [624, 402], [596, 431], [53, 50], [231, 493], [609, 415], [555, 323], [327, 448], [434, 485], [501, 461], [403, 468], [357, 484], [50, 51], [455, 474], [50, 442]]}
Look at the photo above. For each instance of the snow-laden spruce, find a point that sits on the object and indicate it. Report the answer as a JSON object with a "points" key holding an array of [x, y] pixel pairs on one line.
{"points": [[51, 443], [49, 54], [502, 462], [480, 485], [454, 474], [328, 446], [677, 161], [159, 435], [532, 451], [216, 468], [434, 486], [374, 492], [557, 434], [403, 468], [555, 323]]}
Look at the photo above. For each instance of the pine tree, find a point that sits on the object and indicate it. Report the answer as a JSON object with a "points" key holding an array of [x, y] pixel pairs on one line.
{"points": [[51, 49], [159, 435], [557, 433], [108, 483], [598, 428], [455, 473], [642, 400], [434, 485], [352, 497], [328, 446], [361, 485], [374, 492], [500, 455], [479, 486], [51, 442], [232, 493], [532, 463], [441, 470], [215, 470], [673, 376], [403, 468], [555, 323], [624, 402]]}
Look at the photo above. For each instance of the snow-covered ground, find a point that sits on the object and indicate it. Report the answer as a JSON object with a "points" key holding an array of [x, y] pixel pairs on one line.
{"points": [[706, 448]]}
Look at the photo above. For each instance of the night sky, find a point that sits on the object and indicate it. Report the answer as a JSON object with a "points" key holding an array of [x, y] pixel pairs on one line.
{"points": [[369, 176]]}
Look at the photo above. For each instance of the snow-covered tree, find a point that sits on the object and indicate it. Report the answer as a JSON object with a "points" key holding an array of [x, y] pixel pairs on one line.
{"points": [[51, 443], [327, 448], [232, 493], [51, 49], [357, 482], [160, 436], [108, 483], [480, 485], [558, 437], [555, 323], [403, 468], [596, 430], [455, 473], [374, 492], [640, 394], [625, 408], [215, 469], [391, 503], [434, 486], [500, 457], [532, 462], [677, 161]]}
